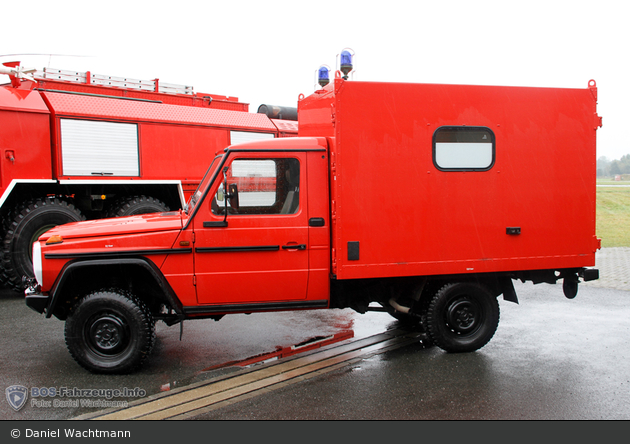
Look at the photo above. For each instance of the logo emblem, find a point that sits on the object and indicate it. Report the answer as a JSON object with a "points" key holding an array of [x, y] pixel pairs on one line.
{"points": [[16, 396]]}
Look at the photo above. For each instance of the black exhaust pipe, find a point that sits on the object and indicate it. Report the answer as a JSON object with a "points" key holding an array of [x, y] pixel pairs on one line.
{"points": [[278, 112]]}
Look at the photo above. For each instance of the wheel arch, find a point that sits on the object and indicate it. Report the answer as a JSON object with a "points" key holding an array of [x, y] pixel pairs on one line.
{"points": [[170, 192], [138, 275]]}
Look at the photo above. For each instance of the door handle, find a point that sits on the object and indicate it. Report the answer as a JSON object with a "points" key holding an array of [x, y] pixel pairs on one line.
{"points": [[294, 247]]}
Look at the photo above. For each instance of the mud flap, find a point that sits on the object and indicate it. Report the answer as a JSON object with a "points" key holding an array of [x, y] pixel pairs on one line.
{"points": [[509, 294]]}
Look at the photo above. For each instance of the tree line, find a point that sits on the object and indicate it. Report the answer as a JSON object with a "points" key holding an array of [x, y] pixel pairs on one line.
{"points": [[607, 167]]}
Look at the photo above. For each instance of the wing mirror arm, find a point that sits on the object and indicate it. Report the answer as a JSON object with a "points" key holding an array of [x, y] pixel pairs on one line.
{"points": [[231, 193], [225, 211]]}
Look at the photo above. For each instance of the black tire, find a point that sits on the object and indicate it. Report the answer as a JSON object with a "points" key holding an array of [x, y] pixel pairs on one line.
{"points": [[131, 206], [110, 332], [31, 220], [462, 317]]}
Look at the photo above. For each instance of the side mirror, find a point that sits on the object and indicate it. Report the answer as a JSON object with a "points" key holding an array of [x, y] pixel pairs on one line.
{"points": [[233, 196]]}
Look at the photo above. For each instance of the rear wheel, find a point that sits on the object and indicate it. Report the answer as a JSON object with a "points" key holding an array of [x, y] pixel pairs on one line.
{"points": [[110, 332], [462, 317], [30, 221]]}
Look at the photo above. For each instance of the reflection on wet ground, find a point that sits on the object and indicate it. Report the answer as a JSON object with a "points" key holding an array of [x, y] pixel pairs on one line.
{"points": [[279, 353]]}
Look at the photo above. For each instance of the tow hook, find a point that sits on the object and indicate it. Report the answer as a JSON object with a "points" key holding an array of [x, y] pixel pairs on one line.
{"points": [[29, 283]]}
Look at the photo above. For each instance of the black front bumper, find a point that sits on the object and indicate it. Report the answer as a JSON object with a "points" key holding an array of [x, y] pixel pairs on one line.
{"points": [[35, 299]]}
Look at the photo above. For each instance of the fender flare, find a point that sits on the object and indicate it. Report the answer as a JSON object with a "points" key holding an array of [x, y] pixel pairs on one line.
{"points": [[55, 292]]}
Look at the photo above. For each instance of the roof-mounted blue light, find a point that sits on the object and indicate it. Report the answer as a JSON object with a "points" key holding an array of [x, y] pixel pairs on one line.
{"points": [[345, 63], [323, 76]]}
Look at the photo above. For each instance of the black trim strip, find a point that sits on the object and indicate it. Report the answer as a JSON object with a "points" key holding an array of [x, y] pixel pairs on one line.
{"points": [[211, 224], [271, 150], [79, 93], [109, 254], [237, 249], [246, 308]]}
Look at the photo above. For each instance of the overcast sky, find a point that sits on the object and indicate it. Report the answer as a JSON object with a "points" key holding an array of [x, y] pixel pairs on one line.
{"points": [[268, 51]]}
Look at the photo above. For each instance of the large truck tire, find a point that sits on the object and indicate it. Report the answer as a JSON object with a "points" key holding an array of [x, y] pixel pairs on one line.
{"points": [[462, 317], [31, 220], [130, 206], [110, 331]]}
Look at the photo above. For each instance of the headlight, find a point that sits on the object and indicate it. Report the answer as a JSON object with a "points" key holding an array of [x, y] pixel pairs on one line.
{"points": [[37, 262]]}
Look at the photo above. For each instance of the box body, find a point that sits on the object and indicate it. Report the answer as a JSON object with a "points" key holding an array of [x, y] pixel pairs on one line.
{"points": [[433, 179]]}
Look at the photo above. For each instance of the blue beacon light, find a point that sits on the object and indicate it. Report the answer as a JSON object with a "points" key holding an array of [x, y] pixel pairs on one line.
{"points": [[323, 77], [346, 63]]}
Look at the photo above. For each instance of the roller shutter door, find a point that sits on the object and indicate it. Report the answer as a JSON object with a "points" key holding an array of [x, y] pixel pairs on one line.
{"points": [[97, 148]]}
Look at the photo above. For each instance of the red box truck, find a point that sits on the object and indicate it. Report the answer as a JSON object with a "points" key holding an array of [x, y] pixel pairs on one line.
{"points": [[422, 200]]}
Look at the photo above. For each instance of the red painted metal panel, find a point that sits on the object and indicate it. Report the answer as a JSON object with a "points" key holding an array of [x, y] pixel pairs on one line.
{"points": [[69, 105], [179, 152], [25, 146], [197, 99], [24, 136], [286, 126], [22, 99]]}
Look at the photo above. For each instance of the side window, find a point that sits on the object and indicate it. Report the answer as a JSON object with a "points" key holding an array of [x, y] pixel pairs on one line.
{"points": [[260, 186], [463, 148]]}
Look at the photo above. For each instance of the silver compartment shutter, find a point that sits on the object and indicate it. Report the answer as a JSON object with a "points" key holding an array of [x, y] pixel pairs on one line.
{"points": [[94, 148], [247, 136]]}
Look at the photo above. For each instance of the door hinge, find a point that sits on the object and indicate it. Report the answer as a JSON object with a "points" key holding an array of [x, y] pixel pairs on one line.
{"points": [[194, 280]]}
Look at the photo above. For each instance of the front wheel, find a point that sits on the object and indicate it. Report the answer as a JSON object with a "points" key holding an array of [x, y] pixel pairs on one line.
{"points": [[462, 317], [110, 332]]}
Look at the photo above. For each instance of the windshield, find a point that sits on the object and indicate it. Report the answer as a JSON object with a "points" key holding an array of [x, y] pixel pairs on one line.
{"points": [[205, 183]]}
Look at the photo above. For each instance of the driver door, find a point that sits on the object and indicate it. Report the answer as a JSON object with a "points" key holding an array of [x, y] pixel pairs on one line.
{"points": [[261, 256]]}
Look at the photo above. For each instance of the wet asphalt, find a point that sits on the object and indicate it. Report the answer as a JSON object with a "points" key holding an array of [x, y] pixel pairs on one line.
{"points": [[551, 359]]}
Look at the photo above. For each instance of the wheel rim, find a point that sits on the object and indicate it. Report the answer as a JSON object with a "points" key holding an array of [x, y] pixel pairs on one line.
{"points": [[108, 334], [463, 316]]}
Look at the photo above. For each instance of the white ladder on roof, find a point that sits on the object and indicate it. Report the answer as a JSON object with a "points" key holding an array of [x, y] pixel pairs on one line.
{"points": [[120, 82]]}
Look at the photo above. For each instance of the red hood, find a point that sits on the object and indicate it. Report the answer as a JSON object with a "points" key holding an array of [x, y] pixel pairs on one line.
{"points": [[145, 223]]}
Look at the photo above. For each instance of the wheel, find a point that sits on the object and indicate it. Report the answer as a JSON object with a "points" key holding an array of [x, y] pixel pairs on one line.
{"points": [[110, 332], [31, 220], [130, 206], [462, 317]]}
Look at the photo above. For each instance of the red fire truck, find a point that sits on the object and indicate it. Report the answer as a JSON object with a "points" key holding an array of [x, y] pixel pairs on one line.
{"points": [[80, 146], [422, 200]]}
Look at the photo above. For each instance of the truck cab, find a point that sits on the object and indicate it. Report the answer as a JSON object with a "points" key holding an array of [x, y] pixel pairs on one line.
{"points": [[253, 237]]}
